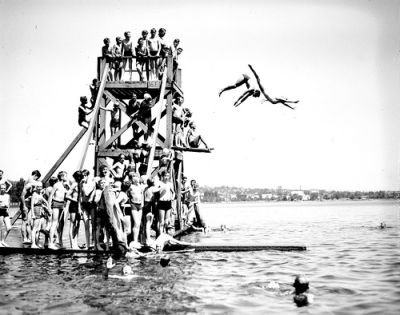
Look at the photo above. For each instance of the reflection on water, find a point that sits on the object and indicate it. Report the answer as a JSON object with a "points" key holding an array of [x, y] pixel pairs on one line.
{"points": [[352, 266]]}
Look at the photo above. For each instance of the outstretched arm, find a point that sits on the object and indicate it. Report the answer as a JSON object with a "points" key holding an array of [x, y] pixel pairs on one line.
{"points": [[260, 85]]}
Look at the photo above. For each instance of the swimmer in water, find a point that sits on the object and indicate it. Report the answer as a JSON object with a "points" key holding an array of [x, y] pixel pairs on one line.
{"points": [[301, 295], [126, 274]]}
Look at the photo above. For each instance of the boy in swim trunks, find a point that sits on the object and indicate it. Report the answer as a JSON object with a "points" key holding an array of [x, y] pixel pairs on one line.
{"points": [[154, 48], [178, 119], [88, 189], [5, 181], [127, 51], [106, 51], [167, 195], [83, 111], [141, 54], [117, 54], [193, 138], [4, 216], [74, 209], [135, 195], [115, 118], [56, 203], [94, 89], [25, 205], [39, 206]]}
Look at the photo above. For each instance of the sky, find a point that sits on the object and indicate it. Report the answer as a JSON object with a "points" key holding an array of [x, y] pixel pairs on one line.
{"points": [[339, 58]]}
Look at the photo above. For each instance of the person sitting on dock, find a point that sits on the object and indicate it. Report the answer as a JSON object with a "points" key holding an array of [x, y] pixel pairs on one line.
{"points": [[57, 203], [193, 138], [39, 206], [83, 111], [4, 215], [5, 181], [141, 54], [251, 91], [94, 89], [154, 48], [283, 101], [107, 53], [25, 200], [117, 55], [127, 52]]}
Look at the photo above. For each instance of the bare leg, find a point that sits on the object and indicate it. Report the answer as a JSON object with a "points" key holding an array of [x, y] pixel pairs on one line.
{"points": [[98, 232], [137, 218], [60, 229], [53, 226], [238, 83], [86, 222], [127, 226], [72, 222], [7, 224], [149, 222], [161, 222], [243, 97]]}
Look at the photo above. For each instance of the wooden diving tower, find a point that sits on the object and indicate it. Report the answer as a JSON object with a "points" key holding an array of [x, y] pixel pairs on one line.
{"points": [[120, 92]]}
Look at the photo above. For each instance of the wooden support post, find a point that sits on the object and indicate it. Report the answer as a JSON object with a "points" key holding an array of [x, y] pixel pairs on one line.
{"points": [[95, 112], [157, 126], [169, 135], [64, 155], [179, 194]]}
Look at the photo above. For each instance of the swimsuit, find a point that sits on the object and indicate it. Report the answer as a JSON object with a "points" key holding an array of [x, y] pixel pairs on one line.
{"points": [[55, 204], [165, 205], [3, 212], [73, 207]]}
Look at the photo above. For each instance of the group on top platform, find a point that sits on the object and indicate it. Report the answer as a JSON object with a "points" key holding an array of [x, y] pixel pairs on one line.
{"points": [[149, 53], [140, 203]]}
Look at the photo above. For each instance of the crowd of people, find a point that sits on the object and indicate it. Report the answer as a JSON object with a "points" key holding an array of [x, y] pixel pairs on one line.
{"points": [[118, 206], [149, 53]]}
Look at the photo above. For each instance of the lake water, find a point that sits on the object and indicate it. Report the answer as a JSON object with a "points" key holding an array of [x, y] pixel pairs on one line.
{"points": [[353, 267]]}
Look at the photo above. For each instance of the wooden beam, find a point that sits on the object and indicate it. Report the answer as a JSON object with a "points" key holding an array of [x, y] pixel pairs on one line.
{"points": [[151, 85], [157, 126], [198, 150], [64, 155], [116, 135], [177, 88], [95, 113]]}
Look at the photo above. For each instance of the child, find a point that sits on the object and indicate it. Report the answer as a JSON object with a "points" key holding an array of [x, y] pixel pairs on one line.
{"points": [[127, 51], [167, 194], [301, 295], [194, 198], [74, 209], [87, 189], [178, 119], [141, 54], [39, 206], [135, 194], [122, 200], [106, 51], [4, 216], [193, 138], [100, 212], [148, 208], [83, 111]]}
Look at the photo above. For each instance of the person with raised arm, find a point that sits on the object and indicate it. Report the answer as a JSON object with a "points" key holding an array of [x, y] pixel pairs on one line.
{"points": [[283, 101]]}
